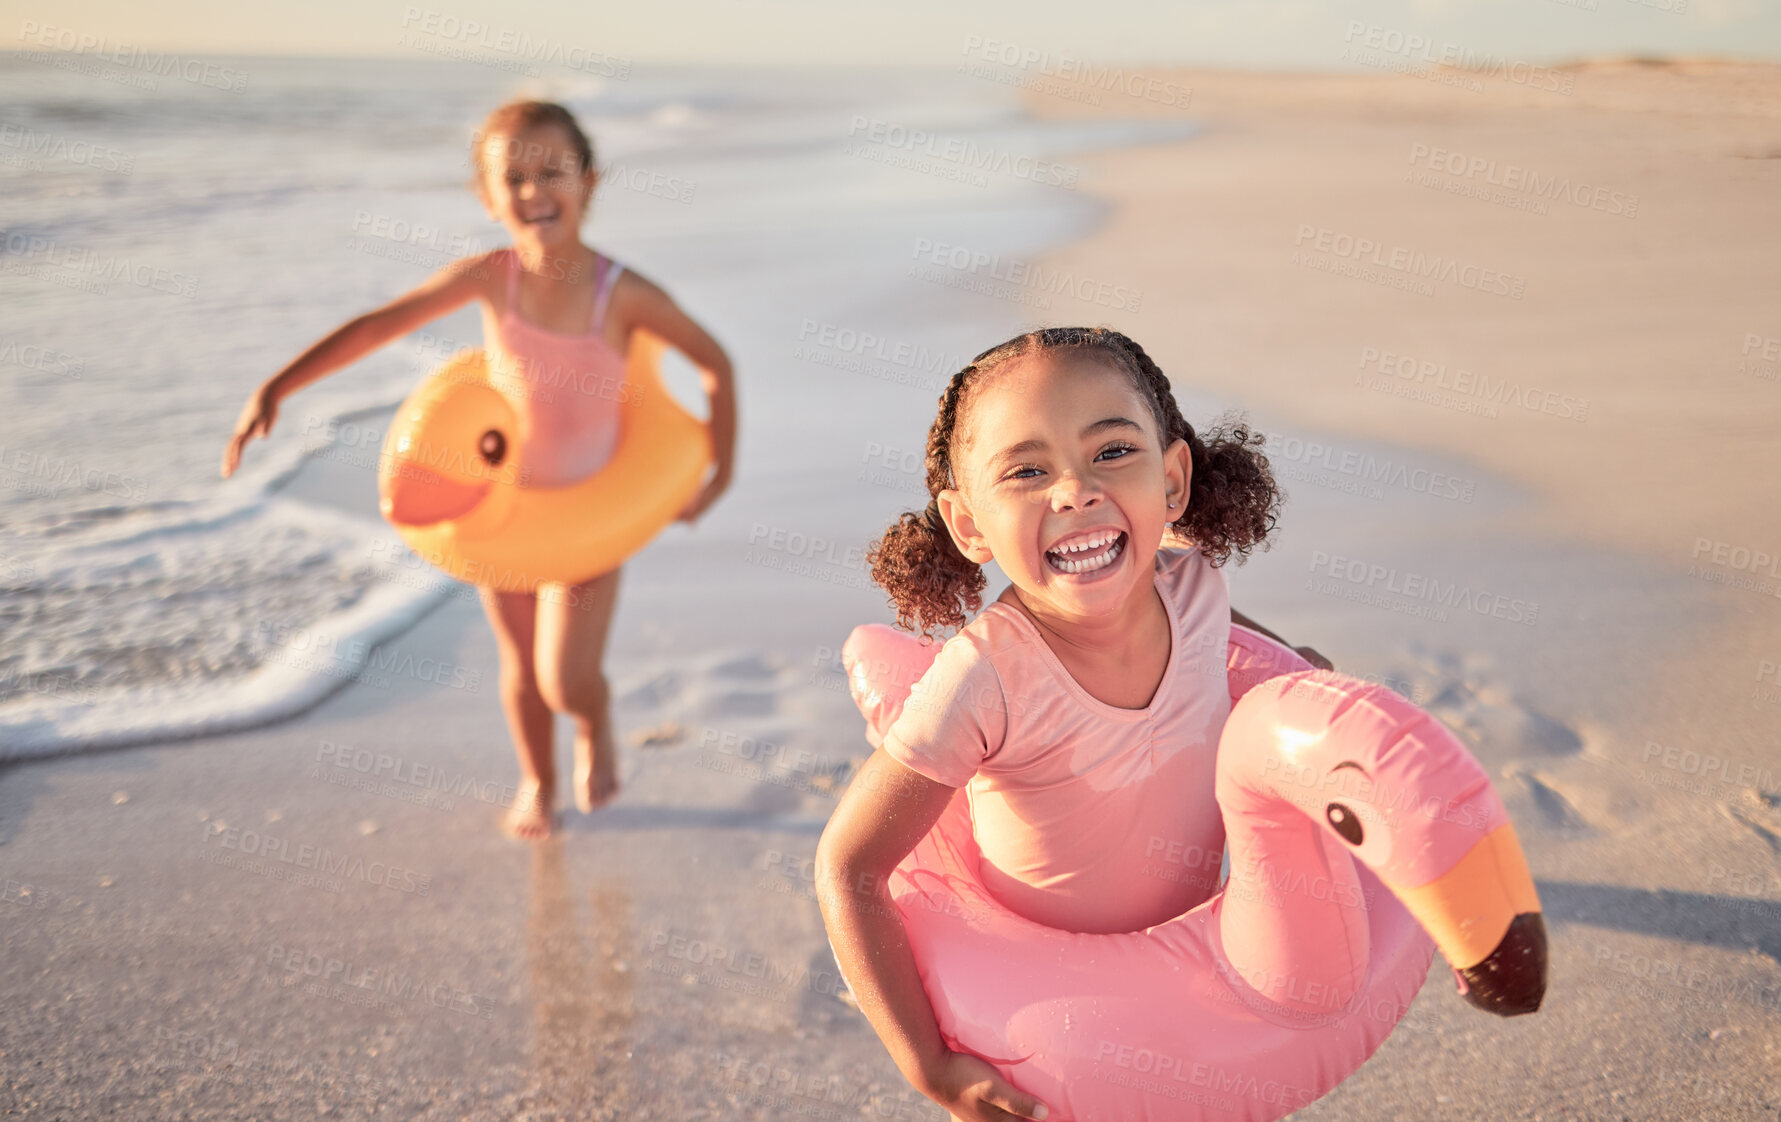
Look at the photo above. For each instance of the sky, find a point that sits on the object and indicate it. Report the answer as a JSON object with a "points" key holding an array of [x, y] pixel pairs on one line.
{"points": [[1247, 34]]}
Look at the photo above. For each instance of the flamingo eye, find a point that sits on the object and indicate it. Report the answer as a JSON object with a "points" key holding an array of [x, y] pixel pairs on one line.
{"points": [[493, 447], [1344, 822]]}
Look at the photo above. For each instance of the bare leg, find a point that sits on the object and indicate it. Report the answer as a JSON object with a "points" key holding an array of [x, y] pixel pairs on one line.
{"points": [[513, 615], [573, 622]]}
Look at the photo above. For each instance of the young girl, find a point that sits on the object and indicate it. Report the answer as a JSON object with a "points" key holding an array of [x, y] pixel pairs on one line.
{"points": [[1078, 707], [556, 314]]}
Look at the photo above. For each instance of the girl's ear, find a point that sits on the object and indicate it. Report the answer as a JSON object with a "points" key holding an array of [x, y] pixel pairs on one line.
{"points": [[1178, 477], [955, 511]]}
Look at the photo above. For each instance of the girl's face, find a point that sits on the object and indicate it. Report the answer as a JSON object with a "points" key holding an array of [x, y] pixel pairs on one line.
{"points": [[533, 184], [1064, 482]]}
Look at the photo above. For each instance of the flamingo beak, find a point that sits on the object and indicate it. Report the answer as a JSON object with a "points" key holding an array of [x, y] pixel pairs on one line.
{"points": [[1484, 915], [414, 496]]}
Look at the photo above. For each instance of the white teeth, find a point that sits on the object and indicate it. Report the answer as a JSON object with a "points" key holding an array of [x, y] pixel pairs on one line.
{"points": [[1099, 552]]}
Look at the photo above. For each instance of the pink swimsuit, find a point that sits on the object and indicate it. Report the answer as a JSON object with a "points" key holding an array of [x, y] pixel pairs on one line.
{"points": [[1089, 817], [567, 389]]}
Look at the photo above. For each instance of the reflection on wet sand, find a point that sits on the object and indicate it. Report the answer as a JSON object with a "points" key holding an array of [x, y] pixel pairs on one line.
{"points": [[582, 992]]}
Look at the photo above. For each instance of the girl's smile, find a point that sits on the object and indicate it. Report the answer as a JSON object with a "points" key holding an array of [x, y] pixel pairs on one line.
{"points": [[1072, 511], [535, 186]]}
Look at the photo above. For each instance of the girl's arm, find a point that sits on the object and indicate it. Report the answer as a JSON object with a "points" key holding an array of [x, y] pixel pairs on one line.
{"points": [[885, 811], [646, 305], [1306, 653], [443, 292]]}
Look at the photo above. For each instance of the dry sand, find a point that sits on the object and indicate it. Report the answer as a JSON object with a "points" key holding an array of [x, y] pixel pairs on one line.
{"points": [[1639, 521]]}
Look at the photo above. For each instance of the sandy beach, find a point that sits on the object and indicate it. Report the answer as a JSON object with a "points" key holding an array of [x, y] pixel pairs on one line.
{"points": [[1570, 414], [1600, 374]]}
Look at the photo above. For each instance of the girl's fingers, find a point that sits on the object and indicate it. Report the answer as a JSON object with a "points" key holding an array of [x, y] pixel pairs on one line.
{"points": [[1004, 1098]]}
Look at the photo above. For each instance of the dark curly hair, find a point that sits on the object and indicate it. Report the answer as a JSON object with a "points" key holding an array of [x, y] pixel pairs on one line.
{"points": [[1233, 501]]}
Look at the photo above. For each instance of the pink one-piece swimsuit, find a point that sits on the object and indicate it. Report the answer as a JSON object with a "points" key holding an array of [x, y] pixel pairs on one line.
{"points": [[566, 389]]}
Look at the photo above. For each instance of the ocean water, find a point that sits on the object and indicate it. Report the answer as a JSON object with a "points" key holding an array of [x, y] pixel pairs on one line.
{"points": [[166, 245]]}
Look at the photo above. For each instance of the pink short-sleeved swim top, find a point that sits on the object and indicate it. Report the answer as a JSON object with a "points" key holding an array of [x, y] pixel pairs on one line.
{"points": [[568, 390], [1089, 817]]}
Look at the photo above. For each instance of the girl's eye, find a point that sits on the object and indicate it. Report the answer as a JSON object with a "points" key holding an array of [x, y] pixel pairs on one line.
{"points": [[1118, 450], [1016, 473]]}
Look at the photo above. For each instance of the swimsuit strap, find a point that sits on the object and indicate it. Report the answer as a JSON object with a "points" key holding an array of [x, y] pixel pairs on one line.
{"points": [[512, 309], [607, 284], [605, 268]]}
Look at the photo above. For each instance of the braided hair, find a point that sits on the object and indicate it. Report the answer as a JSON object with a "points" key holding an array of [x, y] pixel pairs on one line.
{"points": [[1232, 506]]}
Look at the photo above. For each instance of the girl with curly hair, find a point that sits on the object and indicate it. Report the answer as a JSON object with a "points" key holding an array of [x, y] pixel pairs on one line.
{"points": [[1081, 708]]}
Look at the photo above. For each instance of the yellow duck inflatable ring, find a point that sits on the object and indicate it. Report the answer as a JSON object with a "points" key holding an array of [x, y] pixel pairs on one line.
{"points": [[449, 481]]}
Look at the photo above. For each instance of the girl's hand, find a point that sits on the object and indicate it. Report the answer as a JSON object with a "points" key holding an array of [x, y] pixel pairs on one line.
{"points": [[256, 420], [704, 498], [973, 1090]]}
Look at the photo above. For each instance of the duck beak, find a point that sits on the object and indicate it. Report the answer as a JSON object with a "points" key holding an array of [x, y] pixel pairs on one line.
{"points": [[1484, 916], [414, 496]]}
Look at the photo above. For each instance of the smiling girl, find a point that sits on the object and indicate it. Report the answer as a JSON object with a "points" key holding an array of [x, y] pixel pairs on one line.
{"points": [[557, 320], [1082, 708]]}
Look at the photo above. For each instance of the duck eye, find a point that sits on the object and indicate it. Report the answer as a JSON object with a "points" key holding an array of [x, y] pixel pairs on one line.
{"points": [[493, 447], [1344, 822]]}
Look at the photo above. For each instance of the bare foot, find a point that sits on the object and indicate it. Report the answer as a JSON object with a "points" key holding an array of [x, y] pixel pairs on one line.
{"points": [[596, 775], [532, 816]]}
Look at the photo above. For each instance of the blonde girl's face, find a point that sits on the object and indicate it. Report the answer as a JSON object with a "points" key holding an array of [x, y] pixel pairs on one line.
{"points": [[1064, 481], [533, 184]]}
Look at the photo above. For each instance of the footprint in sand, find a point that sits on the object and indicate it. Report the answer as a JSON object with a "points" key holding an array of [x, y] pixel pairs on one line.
{"points": [[1752, 819], [1556, 809], [662, 688], [750, 665], [1496, 722]]}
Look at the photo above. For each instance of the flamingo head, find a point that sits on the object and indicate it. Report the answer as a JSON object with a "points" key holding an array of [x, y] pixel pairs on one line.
{"points": [[1396, 788], [451, 457]]}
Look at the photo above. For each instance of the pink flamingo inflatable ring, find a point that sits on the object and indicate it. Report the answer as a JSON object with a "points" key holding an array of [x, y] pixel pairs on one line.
{"points": [[1362, 836]]}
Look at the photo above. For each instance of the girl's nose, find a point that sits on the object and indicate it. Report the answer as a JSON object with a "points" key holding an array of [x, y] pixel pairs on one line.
{"points": [[1072, 492]]}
